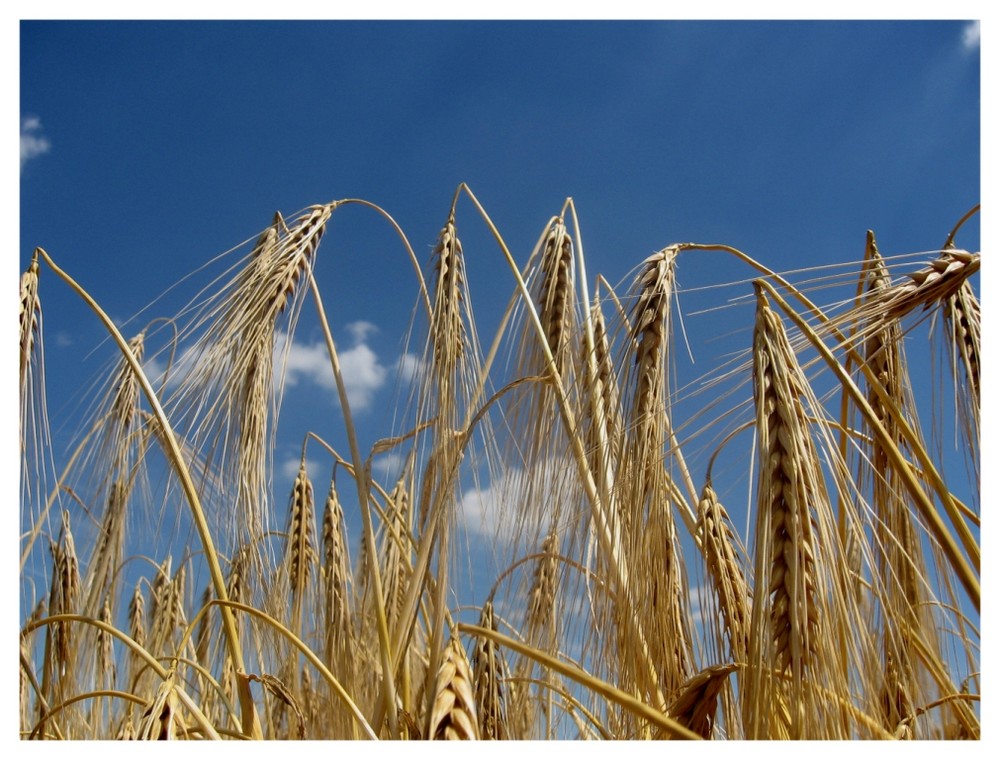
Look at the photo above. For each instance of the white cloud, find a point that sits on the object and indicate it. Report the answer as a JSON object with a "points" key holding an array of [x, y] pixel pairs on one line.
{"points": [[33, 143], [301, 361], [362, 371], [970, 36], [363, 375]]}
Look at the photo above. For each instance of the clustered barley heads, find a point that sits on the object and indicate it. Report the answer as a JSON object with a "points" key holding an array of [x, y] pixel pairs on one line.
{"points": [[625, 602]]}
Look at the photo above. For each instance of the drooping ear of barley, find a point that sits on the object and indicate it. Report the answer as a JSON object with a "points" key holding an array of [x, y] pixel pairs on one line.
{"points": [[284, 701], [696, 704], [168, 619], [541, 629], [650, 329], [490, 675], [233, 363], [395, 549], [935, 283], [236, 591], [794, 550], [30, 314], [722, 556], [124, 411], [604, 397], [33, 429], [539, 615], [106, 671], [962, 322], [453, 715]]}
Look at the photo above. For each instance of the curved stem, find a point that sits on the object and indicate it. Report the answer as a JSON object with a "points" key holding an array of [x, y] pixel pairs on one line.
{"points": [[161, 671], [635, 706], [950, 242], [79, 698], [362, 478], [307, 652], [177, 461], [939, 530], [402, 236]]}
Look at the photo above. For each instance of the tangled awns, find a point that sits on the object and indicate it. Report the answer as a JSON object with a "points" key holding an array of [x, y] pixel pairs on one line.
{"points": [[579, 538]]}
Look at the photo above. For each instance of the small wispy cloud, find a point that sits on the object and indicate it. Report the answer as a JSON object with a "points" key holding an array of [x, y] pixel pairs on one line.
{"points": [[360, 330], [33, 143], [970, 36], [482, 508], [409, 366], [388, 467], [487, 511]]}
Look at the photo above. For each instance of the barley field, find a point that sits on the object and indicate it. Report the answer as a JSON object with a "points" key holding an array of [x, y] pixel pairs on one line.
{"points": [[777, 539]]}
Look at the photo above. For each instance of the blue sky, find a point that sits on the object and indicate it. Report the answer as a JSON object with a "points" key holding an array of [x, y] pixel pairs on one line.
{"points": [[149, 148]]}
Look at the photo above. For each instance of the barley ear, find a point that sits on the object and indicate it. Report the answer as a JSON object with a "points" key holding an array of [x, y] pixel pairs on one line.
{"points": [[725, 570], [30, 313], [695, 705], [453, 715], [300, 555], [490, 672]]}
